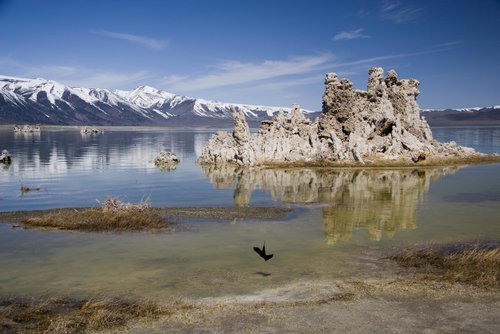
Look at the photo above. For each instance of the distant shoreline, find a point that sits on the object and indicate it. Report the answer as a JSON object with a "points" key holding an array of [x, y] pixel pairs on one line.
{"points": [[224, 127]]}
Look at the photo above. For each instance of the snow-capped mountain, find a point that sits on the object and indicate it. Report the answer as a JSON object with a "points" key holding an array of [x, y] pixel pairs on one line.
{"points": [[49, 102], [463, 116], [469, 109]]}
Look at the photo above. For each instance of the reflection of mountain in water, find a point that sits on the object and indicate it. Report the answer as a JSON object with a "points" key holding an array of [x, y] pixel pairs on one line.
{"points": [[380, 201], [56, 151]]}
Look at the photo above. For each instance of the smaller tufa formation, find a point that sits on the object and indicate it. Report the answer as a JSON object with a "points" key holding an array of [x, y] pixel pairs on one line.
{"points": [[5, 157], [27, 128], [377, 126], [285, 138], [166, 161], [89, 131]]}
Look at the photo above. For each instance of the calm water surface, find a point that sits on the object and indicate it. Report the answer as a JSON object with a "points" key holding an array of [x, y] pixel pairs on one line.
{"points": [[342, 215]]}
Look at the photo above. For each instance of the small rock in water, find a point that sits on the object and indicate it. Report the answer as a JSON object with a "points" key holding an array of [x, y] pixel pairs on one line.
{"points": [[27, 128], [5, 157], [166, 161], [25, 189], [89, 130]]}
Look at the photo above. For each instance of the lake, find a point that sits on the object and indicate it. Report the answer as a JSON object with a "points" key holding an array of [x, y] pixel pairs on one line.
{"points": [[343, 218]]}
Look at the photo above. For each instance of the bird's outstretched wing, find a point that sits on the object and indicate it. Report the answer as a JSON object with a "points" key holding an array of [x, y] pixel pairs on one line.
{"points": [[259, 251], [268, 257], [262, 252]]}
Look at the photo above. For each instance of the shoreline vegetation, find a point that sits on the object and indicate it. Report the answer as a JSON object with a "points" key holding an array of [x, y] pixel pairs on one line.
{"points": [[445, 275], [471, 263], [117, 216]]}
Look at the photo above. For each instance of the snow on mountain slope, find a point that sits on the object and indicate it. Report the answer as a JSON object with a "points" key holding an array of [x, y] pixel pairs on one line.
{"points": [[145, 96], [25, 99], [469, 109], [463, 116]]}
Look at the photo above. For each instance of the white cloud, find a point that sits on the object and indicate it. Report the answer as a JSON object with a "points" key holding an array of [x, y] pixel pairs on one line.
{"points": [[393, 11], [448, 44], [108, 79], [285, 84], [238, 73], [172, 79], [373, 60], [347, 35], [7, 64], [74, 76], [152, 43], [51, 71]]}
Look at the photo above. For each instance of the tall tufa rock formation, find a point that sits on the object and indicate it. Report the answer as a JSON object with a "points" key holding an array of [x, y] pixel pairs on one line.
{"points": [[380, 125]]}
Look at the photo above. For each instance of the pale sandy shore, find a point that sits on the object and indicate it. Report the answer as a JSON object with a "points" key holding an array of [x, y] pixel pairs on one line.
{"points": [[386, 299], [397, 304]]}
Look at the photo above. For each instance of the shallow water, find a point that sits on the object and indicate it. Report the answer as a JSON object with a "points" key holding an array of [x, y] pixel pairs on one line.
{"points": [[344, 219]]}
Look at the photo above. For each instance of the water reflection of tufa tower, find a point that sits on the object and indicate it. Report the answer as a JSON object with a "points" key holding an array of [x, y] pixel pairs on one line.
{"points": [[379, 201]]}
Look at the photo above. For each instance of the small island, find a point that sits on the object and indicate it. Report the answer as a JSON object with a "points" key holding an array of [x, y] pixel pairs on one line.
{"points": [[379, 126]]}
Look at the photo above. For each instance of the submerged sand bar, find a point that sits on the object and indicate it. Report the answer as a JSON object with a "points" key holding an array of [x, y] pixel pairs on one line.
{"points": [[95, 219]]}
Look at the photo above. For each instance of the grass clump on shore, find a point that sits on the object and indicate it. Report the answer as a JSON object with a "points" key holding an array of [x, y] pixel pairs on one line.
{"points": [[64, 315], [470, 263], [113, 215]]}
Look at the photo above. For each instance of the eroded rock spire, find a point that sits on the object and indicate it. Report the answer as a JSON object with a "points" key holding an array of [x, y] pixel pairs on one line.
{"points": [[380, 125]]}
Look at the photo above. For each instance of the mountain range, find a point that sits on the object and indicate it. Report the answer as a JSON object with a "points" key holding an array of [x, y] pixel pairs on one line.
{"points": [[41, 101], [463, 116]]}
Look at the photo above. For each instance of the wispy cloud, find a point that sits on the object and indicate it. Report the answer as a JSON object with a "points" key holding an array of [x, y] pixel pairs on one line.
{"points": [[152, 43], [9, 64], [285, 84], [266, 82], [448, 44], [393, 10], [375, 60], [72, 75], [49, 71], [238, 73], [347, 35], [109, 79]]}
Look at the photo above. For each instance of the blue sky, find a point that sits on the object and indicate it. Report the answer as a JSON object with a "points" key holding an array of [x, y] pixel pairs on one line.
{"points": [[258, 52]]}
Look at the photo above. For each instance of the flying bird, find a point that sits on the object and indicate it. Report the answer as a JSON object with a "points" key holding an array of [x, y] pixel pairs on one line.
{"points": [[262, 252]]}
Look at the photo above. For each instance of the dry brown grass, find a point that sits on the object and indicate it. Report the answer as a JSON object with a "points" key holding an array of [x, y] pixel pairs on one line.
{"points": [[98, 220], [470, 263], [63, 315], [114, 215], [131, 217]]}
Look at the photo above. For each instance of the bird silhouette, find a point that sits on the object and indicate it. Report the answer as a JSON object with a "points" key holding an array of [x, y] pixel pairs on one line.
{"points": [[262, 252]]}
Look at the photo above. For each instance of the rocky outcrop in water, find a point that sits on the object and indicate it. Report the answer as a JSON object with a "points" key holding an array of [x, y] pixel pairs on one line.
{"points": [[5, 157], [27, 128], [166, 161], [380, 125], [87, 130]]}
